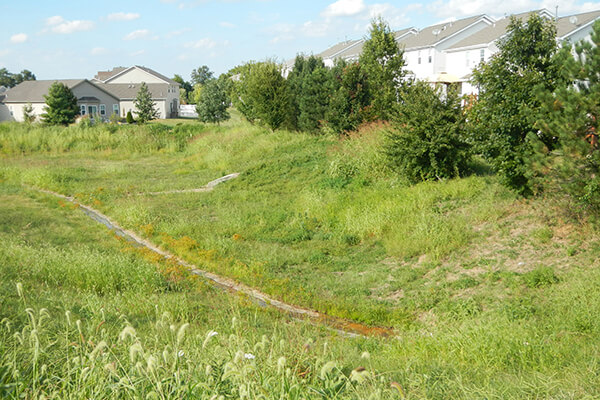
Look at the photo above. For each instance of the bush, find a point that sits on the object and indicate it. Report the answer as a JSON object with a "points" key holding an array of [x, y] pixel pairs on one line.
{"points": [[130, 119], [428, 139]]}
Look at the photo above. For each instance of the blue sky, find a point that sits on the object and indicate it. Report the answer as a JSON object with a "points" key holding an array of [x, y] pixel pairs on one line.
{"points": [[58, 39]]}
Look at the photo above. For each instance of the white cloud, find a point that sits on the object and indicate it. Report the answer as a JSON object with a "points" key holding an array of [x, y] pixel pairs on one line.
{"points": [[121, 16], [18, 38], [138, 34], [55, 20], [344, 8], [98, 51], [205, 43], [225, 24], [59, 25]]}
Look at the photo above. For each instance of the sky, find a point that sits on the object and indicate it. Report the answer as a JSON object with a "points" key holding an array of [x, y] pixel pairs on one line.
{"points": [[62, 39]]}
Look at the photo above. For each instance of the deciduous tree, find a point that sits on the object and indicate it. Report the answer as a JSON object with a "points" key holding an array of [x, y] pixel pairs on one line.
{"points": [[213, 102]]}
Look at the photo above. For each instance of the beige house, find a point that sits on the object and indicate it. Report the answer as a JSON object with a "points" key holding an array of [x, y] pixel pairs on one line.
{"points": [[110, 92], [91, 99]]}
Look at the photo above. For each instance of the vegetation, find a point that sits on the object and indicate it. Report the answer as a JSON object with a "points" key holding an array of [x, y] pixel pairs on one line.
{"points": [[428, 138], [8, 79], [129, 118], [383, 63], [145, 108], [202, 75], [213, 102], [505, 114], [61, 105], [28, 114]]}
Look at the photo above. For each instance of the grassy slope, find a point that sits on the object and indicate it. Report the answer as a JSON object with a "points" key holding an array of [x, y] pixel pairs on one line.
{"points": [[495, 297]]}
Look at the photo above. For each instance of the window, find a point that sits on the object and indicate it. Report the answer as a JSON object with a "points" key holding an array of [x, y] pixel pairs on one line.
{"points": [[82, 109], [482, 55], [116, 109], [102, 109], [430, 59]]}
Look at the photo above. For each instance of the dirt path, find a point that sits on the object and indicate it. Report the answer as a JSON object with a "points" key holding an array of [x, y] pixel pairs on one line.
{"points": [[209, 186], [343, 326]]}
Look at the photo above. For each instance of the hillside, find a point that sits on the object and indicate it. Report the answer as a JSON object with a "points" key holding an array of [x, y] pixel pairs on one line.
{"points": [[488, 295]]}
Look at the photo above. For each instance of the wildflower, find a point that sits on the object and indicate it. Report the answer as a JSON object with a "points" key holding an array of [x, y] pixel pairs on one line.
{"points": [[249, 356], [365, 355], [181, 353]]}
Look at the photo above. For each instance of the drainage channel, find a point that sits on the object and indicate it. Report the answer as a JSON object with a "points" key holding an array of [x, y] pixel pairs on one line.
{"points": [[344, 327]]}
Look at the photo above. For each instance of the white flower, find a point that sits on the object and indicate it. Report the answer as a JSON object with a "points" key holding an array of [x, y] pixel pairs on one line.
{"points": [[249, 356], [181, 353]]}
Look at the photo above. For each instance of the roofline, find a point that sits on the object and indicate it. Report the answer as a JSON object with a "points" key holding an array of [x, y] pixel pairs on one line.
{"points": [[138, 67], [482, 17], [99, 88], [470, 47], [578, 29], [356, 43]]}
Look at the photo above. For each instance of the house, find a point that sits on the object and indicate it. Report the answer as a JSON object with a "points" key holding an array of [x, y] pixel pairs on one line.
{"points": [[125, 82], [109, 92], [91, 99]]}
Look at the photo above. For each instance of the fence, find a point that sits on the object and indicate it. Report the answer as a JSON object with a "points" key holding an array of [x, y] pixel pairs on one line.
{"points": [[188, 111]]}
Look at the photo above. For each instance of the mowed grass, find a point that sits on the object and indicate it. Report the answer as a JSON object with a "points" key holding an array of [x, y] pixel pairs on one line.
{"points": [[492, 297]]}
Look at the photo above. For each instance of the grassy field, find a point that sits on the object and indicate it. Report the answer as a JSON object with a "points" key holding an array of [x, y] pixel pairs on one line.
{"points": [[491, 296]]}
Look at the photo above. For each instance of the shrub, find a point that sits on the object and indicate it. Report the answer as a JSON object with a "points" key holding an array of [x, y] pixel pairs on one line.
{"points": [[130, 119], [428, 139]]}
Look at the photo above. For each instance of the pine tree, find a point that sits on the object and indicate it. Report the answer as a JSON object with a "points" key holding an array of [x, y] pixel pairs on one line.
{"points": [[61, 105], [144, 105], [505, 114], [383, 62]]}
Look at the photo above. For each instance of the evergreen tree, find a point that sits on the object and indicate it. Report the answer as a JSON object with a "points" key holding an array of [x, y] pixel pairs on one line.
{"points": [[570, 113], [213, 103], [145, 107], [61, 105], [349, 103], [505, 114], [28, 115], [383, 62]]}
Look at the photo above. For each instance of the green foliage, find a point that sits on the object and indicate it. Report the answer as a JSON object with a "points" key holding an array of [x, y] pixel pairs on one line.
{"points": [[129, 118], [8, 79], [261, 94], [540, 277], [201, 75], [428, 139], [570, 113], [213, 103], [311, 87], [349, 105], [28, 115], [184, 89], [145, 108], [504, 117], [61, 105], [382, 61]]}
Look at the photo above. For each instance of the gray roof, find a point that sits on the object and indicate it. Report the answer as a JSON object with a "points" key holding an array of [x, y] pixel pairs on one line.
{"points": [[569, 24], [146, 69], [426, 37], [335, 49], [493, 32], [34, 91], [128, 91]]}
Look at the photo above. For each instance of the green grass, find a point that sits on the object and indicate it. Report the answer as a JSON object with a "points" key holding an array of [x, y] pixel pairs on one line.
{"points": [[492, 297]]}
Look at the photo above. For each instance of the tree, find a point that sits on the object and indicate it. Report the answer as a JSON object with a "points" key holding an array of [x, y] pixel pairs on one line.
{"points": [[428, 137], [310, 89], [9, 80], [383, 62], [570, 113], [144, 105], [213, 103], [349, 104], [262, 94], [28, 115], [505, 114], [201, 75], [61, 105], [184, 89]]}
